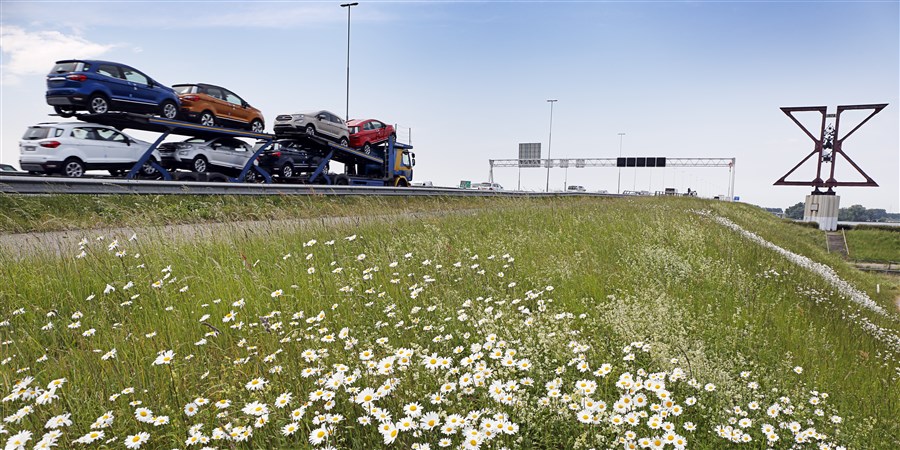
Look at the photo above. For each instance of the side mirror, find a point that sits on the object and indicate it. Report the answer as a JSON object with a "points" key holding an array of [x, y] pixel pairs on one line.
{"points": [[150, 83], [321, 117]]}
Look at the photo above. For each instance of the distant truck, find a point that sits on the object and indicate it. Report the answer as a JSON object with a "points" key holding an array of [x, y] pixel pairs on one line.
{"points": [[576, 188]]}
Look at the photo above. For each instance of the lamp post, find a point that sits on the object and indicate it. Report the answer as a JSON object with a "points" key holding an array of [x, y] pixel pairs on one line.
{"points": [[550, 142], [619, 185], [348, 6]]}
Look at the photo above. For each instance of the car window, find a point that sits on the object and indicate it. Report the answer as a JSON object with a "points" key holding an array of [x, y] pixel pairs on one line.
{"points": [[214, 92], [109, 70], [34, 133], [110, 135], [185, 89], [73, 66], [406, 161], [376, 125], [80, 133], [231, 98], [134, 76], [368, 126]]}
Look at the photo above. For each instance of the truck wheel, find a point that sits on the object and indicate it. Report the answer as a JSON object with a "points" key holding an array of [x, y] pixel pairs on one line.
{"points": [[342, 180], [401, 182]]}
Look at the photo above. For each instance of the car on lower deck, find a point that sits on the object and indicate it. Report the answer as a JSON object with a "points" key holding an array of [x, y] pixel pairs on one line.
{"points": [[288, 158], [319, 123], [222, 154], [366, 133], [99, 87], [212, 105], [73, 148]]}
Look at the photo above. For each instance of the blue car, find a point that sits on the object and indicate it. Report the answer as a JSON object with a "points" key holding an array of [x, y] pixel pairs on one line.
{"points": [[102, 86]]}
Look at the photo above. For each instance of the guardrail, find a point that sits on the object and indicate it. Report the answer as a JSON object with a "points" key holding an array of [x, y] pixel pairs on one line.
{"points": [[17, 184]]}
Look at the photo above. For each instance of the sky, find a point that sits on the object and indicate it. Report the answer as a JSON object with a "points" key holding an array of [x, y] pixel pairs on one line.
{"points": [[468, 81]]}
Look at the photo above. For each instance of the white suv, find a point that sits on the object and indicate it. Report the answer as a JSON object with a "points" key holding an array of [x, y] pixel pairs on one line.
{"points": [[72, 148], [316, 123], [225, 154]]}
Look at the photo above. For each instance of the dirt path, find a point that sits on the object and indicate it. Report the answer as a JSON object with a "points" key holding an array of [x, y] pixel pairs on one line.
{"points": [[22, 245]]}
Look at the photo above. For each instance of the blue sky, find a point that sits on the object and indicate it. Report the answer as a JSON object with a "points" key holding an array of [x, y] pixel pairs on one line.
{"points": [[471, 79]]}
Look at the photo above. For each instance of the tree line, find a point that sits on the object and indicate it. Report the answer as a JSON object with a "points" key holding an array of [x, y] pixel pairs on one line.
{"points": [[855, 213]]}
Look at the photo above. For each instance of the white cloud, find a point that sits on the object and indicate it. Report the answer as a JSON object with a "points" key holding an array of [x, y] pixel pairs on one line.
{"points": [[28, 53]]}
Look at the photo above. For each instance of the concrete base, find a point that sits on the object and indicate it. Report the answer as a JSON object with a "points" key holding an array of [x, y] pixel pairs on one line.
{"points": [[822, 209]]}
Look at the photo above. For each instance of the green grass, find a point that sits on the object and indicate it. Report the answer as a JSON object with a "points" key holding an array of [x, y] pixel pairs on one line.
{"points": [[20, 214], [703, 299], [874, 245]]}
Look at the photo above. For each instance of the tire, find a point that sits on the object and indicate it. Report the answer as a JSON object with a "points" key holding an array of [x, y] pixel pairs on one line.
{"points": [[287, 170], [148, 171], [401, 182], [344, 142], [367, 149], [207, 118], [73, 168], [98, 104], [199, 164], [64, 111], [215, 177], [310, 130], [168, 109], [257, 126], [342, 180]]}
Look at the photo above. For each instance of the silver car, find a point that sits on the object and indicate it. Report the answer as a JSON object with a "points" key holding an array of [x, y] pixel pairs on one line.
{"points": [[222, 154], [315, 123]]}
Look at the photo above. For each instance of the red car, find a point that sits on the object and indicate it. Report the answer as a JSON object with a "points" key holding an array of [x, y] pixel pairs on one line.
{"points": [[366, 133]]}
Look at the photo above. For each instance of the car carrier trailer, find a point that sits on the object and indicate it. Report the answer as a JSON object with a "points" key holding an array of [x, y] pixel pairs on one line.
{"points": [[389, 164]]}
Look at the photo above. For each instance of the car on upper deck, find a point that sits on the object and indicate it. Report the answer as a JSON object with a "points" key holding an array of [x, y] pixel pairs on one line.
{"points": [[366, 133], [319, 123], [99, 87], [212, 105]]}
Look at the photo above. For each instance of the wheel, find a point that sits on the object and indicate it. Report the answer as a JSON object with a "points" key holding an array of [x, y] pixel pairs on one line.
{"points": [[310, 130], [287, 170], [342, 180], [64, 111], [168, 109], [98, 104], [148, 170], [344, 142], [73, 168], [257, 126], [215, 177], [367, 149], [402, 182], [199, 165], [34, 172], [207, 119]]}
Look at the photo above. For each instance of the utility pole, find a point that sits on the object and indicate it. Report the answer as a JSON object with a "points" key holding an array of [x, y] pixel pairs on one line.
{"points": [[619, 184], [348, 6], [550, 143]]}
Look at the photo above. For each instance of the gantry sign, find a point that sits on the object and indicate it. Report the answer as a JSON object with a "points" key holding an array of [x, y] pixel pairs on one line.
{"points": [[828, 147]]}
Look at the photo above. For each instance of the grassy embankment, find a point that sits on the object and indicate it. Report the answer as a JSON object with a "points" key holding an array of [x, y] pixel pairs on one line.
{"points": [[874, 245], [648, 286]]}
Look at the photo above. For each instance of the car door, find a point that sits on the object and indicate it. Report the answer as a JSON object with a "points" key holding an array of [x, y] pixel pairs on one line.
{"points": [[118, 150], [221, 108], [235, 152], [89, 147], [120, 89], [239, 114], [336, 125], [143, 94]]}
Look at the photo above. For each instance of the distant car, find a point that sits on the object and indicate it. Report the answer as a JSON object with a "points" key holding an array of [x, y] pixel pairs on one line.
{"points": [[221, 154], [102, 86], [288, 158], [366, 133], [576, 188], [7, 168], [72, 148], [487, 187], [211, 105], [314, 123]]}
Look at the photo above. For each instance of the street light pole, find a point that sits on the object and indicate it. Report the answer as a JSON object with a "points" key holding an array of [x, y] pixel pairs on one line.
{"points": [[619, 185], [550, 143], [348, 5]]}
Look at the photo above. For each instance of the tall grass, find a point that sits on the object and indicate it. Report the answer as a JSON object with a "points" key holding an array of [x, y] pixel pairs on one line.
{"points": [[559, 287]]}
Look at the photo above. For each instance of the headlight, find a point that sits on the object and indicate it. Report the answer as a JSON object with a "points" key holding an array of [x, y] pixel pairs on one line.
{"points": [[183, 152]]}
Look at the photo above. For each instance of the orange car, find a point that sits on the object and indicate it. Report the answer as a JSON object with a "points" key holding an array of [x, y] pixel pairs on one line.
{"points": [[214, 105]]}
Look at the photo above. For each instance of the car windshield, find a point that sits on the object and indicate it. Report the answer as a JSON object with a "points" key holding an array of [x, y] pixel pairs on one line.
{"points": [[183, 88], [7, 168], [69, 66], [33, 133]]}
